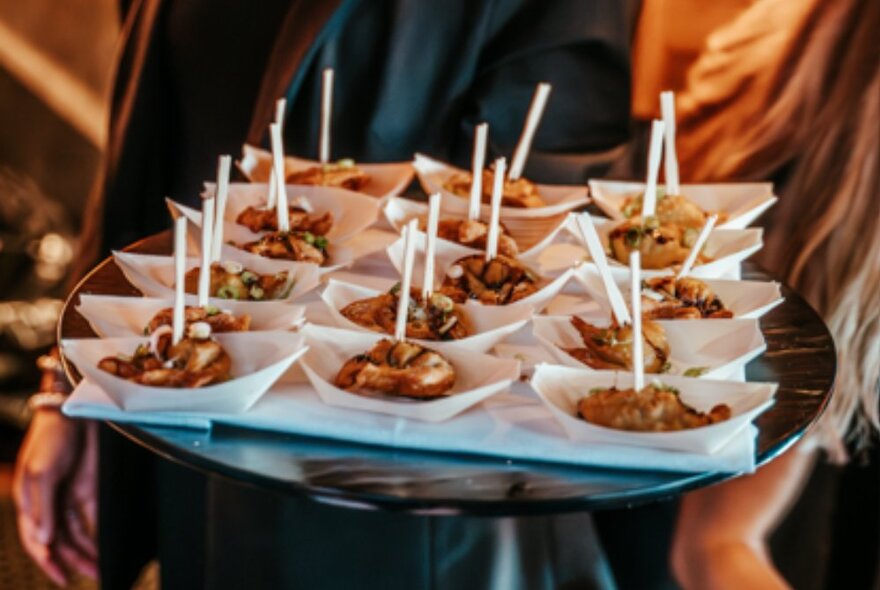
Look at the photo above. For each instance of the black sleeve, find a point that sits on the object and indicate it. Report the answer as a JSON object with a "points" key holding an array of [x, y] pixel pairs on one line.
{"points": [[582, 48]]}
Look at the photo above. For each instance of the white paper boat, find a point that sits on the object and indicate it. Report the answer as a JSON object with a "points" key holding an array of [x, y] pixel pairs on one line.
{"points": [[154, 275], [478, 376], [386, 179], [339, 255], [448, 253], [727, 248], [562, 387], [532, 235], [746, 299], [743, 202], [433, 174], [492, 324], [112, 316], [258, 361], [352, 212], [717, 349]]}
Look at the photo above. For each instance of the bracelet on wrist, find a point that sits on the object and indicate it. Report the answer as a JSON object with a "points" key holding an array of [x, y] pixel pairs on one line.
{"points": [[46, 400]]}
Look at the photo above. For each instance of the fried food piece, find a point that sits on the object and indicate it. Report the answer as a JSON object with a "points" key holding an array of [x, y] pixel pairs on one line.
{"points": [[404, 369], [293, 245], [612, 347], [474, 234], [230, 280], [342, 174], [661, 246], [656, 408], [500, 281], [671, 210], [438, 320], [192, 362], [220, 321], [686, 298], [259, 220], [519, 193]]}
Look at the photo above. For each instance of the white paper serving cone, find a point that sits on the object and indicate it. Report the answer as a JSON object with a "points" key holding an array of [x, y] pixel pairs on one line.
{"points": [[113, 317], [716, 350], [562, 387], [746, 299], [742, 202], [154, 275], [258, 361], [491, 324], [352, 212], [728, 248], [448, 254], [478, 376], [433, 174], [386, 180], [532, 235], [339, 255]]}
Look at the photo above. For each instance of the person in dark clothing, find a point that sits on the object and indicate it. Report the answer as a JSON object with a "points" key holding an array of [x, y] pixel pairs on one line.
{"points": [[196, 79]]}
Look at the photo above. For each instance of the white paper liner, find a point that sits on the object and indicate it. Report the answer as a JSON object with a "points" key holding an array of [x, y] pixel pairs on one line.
{"points": [[562, 387], [449, 253], [433, 174], [532, 235], [727, 248], [258, 360], [111, 316], [478, 376], [492, 324], [745, 299], [721, 347], [514, 426], [386, 180], [154, 275], [743, 202], [339, 255], [352, 212]]}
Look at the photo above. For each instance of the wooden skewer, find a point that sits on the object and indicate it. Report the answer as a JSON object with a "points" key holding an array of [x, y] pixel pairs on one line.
{"points": [[177, 318], [409, 243], [536, 111], [207, 242], [277, 153], [223, 170], [597, 253], [326, 112], [667, 107], [431, 245], [638, 354], [649, 201], [479, 161], [495, 217], [698, 245]]}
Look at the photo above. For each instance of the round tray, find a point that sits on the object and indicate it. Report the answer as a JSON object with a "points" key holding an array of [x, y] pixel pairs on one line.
{"points": [[800, 357]]}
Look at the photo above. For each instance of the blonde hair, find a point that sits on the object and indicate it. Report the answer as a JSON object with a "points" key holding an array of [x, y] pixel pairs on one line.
{"points": [[818, 122]]}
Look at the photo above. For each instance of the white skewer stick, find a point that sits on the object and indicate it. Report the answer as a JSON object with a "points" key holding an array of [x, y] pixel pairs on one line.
{"points": [[222, 196], [431, 246], [495, 217], [409, 250], [670, 161], [597, 253], [649, 201], [479, 162], [207, 241], [326, 112], [698, 245], [278, 169], [536, 111], [280, 108], [177, 318], [638, 355]]}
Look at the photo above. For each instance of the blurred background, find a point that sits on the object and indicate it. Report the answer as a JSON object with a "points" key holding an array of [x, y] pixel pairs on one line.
{"points": [[55, 65]]}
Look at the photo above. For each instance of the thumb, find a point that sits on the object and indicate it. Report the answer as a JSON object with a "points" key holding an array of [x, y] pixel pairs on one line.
{"points": [[43, 498]]}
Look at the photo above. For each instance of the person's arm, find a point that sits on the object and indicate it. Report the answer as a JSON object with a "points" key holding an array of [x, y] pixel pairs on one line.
{"points": [[720, 536], [55, 488]]}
